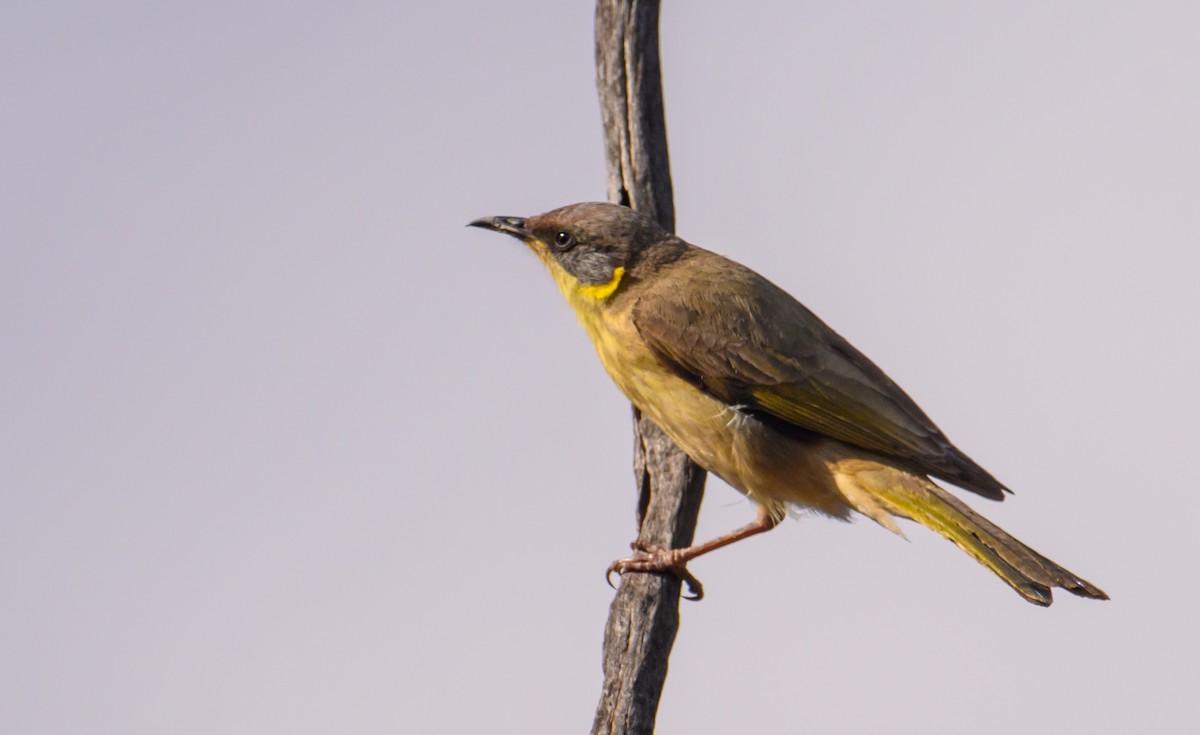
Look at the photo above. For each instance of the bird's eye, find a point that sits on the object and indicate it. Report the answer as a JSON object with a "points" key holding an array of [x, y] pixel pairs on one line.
{"points": [[563, 239]]}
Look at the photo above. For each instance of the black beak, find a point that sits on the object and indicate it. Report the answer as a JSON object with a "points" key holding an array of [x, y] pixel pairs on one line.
{"points": [[514, 226]]}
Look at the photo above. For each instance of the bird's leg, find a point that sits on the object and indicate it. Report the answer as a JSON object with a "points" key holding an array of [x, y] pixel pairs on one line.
{"points": [[653, 559]]}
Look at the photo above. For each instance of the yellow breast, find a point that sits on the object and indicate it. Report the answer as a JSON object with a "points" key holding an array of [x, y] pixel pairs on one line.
{"points": [[704, 427], [772, 469]]}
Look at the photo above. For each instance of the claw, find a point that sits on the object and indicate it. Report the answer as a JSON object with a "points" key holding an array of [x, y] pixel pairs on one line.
{"points": [[695, 590], [652, 559]]}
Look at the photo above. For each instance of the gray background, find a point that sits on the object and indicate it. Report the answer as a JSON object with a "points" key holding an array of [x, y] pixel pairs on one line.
{"points": [[286, 448]]}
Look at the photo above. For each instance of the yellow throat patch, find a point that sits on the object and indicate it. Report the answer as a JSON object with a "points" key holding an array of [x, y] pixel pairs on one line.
{"points": [[578, 294], [604, 290]]}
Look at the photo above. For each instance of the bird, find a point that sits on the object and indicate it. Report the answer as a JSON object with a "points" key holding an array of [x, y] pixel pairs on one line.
{"points": [[757, 390]]}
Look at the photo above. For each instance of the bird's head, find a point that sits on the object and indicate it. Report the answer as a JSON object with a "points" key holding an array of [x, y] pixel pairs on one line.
{"points": [[593, 250]]}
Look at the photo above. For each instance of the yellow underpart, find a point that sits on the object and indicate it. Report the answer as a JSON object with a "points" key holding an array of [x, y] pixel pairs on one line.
{"points": [[588, 302], [604, 290]]}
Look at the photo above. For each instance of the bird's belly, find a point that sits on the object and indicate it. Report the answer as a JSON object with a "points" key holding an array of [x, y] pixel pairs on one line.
{"points": [[773, 469]]}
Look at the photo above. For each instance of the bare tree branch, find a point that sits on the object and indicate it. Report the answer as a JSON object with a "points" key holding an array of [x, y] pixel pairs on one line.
{"points": [[644, 616]]}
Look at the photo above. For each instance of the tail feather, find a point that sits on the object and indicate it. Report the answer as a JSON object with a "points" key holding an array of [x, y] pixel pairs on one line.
{"points": [[1026, 571]]}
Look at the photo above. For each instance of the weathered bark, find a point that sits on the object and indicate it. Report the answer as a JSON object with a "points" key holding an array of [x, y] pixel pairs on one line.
{"points": [[644, 616]]}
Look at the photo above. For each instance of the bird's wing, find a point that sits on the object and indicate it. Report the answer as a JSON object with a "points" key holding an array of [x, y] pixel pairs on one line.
{"points": [[747, 342]]}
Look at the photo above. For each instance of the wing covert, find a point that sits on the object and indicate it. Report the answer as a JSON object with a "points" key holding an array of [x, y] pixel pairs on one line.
{"points": [[748, 342]]}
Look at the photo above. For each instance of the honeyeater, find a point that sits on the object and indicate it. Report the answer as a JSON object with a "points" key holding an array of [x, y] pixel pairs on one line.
{"points": [[759, 391]]}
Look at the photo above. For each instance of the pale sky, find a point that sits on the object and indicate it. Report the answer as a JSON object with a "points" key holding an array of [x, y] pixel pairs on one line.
{"points": [[284, 447]]}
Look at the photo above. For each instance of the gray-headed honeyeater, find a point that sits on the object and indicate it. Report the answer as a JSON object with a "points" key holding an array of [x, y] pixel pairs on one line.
{"points": [[759, 391]]}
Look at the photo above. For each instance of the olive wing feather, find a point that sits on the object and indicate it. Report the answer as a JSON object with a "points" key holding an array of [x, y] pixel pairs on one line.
{"points": [[749, 343]]}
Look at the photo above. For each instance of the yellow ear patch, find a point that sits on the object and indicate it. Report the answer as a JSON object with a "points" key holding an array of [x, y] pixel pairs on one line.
{"points": [[604, 290]]}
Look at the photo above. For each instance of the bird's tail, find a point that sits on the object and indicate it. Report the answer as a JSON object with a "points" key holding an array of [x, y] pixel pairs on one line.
{"points": [[1026, 571]]}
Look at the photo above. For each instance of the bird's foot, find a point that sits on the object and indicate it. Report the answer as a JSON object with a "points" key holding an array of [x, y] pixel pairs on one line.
{"points": [[647, 558]]}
